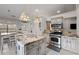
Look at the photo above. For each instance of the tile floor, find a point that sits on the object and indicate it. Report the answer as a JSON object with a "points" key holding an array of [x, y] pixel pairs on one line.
{"points": [[11, 51], [62, 52], [8, 50]]}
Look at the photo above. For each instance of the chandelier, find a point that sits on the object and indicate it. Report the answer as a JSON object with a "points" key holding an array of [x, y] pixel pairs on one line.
{"points": [[24, 18]]}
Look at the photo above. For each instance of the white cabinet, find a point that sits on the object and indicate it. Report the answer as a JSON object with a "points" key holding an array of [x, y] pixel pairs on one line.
{"points": [[64, 42], [70, 43], [34, 48], [33, 51], [42, 49], [73, 44], [19, 48], [77, 45], [57, 20]]}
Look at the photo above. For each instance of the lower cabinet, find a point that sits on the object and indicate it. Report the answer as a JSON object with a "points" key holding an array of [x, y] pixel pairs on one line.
{"points": [[70, 43], [73, 44], [78, 45], [64, 42], [33, 51], [19, 48], [42, 49]]}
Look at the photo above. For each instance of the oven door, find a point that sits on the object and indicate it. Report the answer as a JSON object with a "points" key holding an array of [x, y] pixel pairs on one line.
{"points": [[55, 40]]}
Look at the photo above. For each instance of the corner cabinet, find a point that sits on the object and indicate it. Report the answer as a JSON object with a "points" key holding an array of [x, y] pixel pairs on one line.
{"points": [[70, 43], [64, 42]]}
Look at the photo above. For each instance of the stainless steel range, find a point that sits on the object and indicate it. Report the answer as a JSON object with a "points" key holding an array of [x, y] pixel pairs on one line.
{"points": [[55, 40]]}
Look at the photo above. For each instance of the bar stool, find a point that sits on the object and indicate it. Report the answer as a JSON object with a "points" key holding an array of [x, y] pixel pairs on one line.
{"points": [[12, 39], [4, 39]]}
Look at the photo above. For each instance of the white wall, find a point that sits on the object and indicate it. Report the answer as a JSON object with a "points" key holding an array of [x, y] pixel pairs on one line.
{"points": [[67, 22], [67, 14], [7, 20], [78, 20], [39, 30], [33, 26]]}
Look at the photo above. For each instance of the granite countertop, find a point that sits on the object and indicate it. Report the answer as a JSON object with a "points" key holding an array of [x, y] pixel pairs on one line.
{"points": [[71, 35], [25, 39]]}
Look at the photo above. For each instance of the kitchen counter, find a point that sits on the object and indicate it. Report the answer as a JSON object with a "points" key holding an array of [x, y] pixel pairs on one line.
{"points": [[29, 38], [31, 44], [72, 36], [70, 43]]}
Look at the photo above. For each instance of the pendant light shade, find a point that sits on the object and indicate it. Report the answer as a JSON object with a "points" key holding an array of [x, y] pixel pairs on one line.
{"points": [[24, 18]]}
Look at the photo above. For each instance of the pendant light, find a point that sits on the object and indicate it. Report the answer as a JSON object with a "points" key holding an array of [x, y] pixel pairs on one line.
{"points": [[24, 18]]}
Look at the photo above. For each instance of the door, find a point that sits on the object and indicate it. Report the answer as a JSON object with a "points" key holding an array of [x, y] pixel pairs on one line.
{"points": [[42, 49], [73, 43], [20, 48], [64, 42], [77, 45], [33, 51], [69, 43]]}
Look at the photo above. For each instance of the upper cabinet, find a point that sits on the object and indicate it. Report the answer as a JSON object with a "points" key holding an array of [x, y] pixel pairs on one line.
{"points": [[69, 22], [39, 26], [35, 26], [57, 20]]}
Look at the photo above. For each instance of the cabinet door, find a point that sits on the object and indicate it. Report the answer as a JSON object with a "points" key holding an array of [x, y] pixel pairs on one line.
{"points": [[77, 45], [69, 43], [20, 48], [34, 51], [64, 42], [73, 44], [42, 49]]}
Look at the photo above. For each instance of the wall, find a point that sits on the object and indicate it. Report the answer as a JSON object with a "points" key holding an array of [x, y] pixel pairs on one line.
{"points": [[67, 14], [33, 26], [67, 22], [7, 20], [11, 25], [39, 29], [77, 9]]}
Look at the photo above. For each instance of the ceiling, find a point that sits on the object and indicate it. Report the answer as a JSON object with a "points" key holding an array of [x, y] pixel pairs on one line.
{"points": [[13, 11]]}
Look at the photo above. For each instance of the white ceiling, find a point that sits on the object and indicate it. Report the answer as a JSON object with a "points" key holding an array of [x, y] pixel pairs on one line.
{"points": [[29, 9]]}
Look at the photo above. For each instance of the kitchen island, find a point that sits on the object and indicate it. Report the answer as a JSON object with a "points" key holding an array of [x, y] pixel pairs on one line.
{"points": [[30, 45]]}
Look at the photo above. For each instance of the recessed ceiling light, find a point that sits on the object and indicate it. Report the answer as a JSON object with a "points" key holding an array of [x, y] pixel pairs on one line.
{"points": [[58, 11], [36, 10]]}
